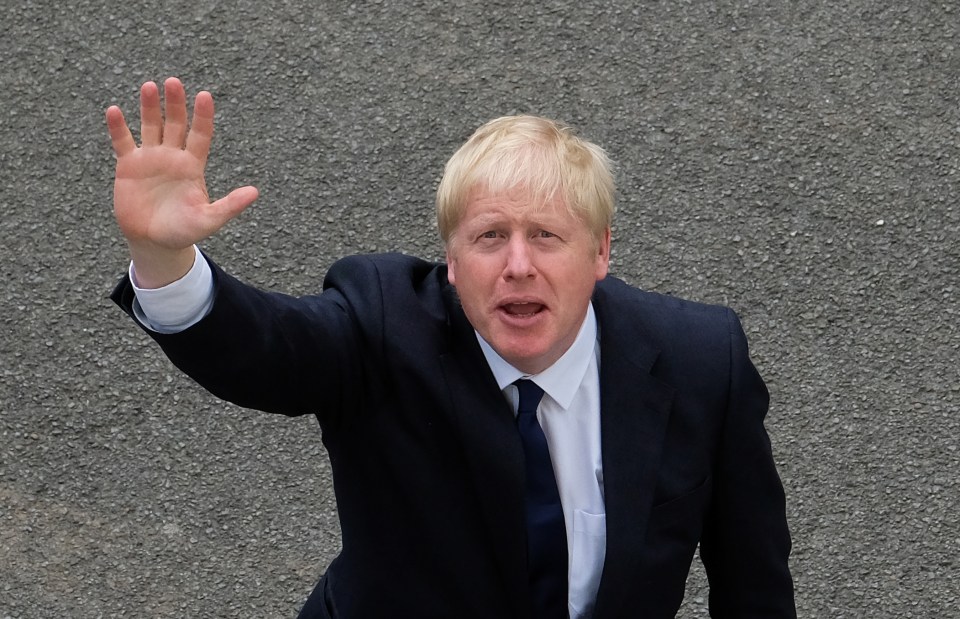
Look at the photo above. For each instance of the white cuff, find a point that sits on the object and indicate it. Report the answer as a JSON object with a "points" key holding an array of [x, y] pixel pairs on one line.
{"points": [[178, 305]]}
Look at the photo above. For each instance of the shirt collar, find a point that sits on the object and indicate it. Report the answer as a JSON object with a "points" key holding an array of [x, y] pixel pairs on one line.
{"points": [[562, 379]]}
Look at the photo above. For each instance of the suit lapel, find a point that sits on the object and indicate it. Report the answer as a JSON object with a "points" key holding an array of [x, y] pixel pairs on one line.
{"points": [[634, 412], [492, 449]]}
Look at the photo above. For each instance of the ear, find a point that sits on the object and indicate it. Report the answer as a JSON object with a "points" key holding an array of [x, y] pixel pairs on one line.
{"points": [[603, 255], [451, 266]]}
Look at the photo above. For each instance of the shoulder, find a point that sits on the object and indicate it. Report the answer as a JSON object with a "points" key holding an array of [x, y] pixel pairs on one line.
{"points": [[617, 298], [392, 264], [386, 272], [697, 333], [391, 284]]}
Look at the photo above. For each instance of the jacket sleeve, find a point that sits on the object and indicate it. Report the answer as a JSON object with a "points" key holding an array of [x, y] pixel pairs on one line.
{"points": [[746, 542], [270, 351]]}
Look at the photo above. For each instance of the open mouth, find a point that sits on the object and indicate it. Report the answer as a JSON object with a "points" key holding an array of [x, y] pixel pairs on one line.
{"points": [[522, 310]]}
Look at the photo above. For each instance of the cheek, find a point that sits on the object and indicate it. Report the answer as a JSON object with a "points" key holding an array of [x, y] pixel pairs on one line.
{"points": [[469, 283], [469, 274]]}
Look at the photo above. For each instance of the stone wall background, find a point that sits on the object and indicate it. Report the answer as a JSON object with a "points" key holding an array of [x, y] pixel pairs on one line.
{"points": [[798, 161]]}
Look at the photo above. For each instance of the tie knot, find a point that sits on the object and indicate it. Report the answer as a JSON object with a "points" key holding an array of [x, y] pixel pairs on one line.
{"points": [[530, 395]]}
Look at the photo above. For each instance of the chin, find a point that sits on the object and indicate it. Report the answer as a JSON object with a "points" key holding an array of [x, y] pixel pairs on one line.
{"points": [[523, 360]]}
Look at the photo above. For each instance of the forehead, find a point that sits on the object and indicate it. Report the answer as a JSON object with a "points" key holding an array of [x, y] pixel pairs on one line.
{"points": [[515, 205]]}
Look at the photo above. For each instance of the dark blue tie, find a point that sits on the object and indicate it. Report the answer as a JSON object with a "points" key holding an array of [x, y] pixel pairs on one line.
{"points": [[546, 533]]}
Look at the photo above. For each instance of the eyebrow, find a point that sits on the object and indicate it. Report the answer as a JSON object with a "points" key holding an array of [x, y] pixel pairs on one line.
{"points": [[490, 219], [484, 220]]}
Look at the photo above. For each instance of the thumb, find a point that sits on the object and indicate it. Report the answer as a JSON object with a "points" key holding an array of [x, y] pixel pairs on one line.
{"points": [[232, 204]]}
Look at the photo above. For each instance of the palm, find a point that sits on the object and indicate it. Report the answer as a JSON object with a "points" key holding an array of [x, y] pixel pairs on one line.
{"points": [[160, 196]]}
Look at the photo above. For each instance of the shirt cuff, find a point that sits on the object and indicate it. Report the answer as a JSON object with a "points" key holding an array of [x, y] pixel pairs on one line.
{"points": [[178, 305]]}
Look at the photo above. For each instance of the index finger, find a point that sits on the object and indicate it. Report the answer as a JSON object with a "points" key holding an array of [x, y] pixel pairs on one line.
{"points": [[120, 136], [201, 127]]}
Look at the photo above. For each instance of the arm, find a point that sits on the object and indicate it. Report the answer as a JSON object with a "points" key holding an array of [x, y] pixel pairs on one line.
{"points": [[243, 352], [746, 543], [160, 195], [280, 354]]}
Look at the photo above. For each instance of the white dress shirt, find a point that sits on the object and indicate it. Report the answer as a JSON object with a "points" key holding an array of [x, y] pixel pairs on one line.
{"points": [[569, 414]]}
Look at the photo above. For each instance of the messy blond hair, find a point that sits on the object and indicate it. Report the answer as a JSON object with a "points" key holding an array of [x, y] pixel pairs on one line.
{"points": [[540, 156]]}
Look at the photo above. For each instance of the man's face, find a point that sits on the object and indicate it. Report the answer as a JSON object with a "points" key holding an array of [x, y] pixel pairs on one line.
{"points": [[525, 274]]}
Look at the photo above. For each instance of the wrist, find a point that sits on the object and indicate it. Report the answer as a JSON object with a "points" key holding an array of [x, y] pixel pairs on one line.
{"points": [[157, 267]]}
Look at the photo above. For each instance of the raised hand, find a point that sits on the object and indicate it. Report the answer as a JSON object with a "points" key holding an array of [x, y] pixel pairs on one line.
{"points": [[160, 196]]}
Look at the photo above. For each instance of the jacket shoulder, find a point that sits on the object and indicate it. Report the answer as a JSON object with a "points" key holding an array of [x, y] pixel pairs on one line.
{"points": [[392, 287], [658, 309], [392, 270]]}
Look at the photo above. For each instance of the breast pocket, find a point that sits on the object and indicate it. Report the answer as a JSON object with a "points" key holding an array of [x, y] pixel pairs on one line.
{"points": [[586, 561]]}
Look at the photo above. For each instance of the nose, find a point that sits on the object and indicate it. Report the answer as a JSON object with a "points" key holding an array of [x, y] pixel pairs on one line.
{"points": [[519, 259]]}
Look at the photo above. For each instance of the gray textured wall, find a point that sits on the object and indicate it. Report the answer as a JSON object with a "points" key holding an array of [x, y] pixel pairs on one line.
{"points": [[798, 161]]}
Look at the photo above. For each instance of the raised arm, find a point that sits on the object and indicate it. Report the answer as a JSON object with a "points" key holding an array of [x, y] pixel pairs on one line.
{"points": [[160, 196]]}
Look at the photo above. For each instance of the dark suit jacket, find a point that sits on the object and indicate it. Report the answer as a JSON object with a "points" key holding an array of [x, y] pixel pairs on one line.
{"points": [[427, 463]]}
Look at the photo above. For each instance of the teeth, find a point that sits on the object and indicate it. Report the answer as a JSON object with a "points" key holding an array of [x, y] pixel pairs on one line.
{"points": [[522, 309]]}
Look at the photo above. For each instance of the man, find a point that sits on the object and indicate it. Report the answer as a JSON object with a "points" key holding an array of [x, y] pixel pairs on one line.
{"points": [[513, 433]]}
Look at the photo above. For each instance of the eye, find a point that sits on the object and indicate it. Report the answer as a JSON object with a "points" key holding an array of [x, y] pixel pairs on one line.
{"points": [[545, 234], [489, 234]]}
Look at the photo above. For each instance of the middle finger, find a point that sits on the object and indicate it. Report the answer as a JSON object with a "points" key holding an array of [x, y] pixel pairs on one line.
{"points": [[175, 109]]}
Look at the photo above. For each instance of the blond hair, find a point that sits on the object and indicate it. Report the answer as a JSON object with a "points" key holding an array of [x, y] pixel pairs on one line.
{"points": [[537, 155]]}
